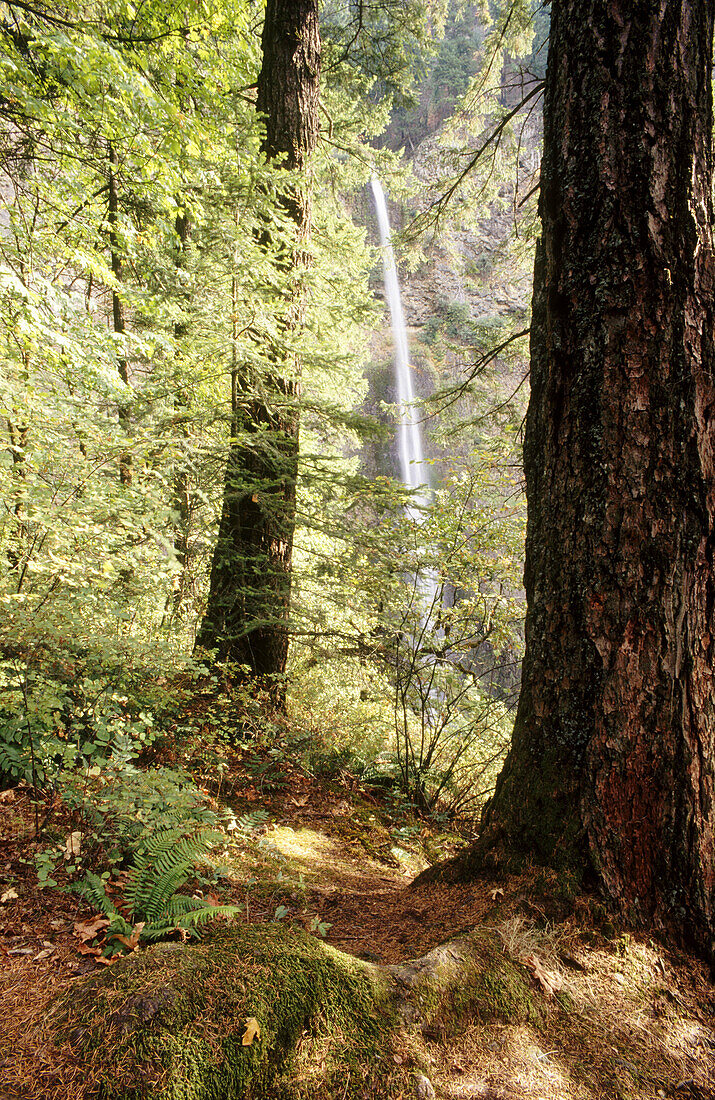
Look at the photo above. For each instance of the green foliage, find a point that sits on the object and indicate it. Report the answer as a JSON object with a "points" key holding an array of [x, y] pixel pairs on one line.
{"points": [[117, 436], [121, 806], [46, 862], [387, 41], [68, 710], [251, 822], [150, 907]]}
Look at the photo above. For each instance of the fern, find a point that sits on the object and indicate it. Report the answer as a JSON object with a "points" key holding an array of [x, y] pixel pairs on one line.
{"points": [[163, 865], [150, 902], [92, 888], [189, 922], [252, 822]]}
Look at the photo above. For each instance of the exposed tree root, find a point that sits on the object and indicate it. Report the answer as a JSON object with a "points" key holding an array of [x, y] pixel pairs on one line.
{"points": [[174, 1022]]}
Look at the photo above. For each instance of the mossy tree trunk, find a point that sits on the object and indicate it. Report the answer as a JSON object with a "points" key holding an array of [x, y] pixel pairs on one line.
{"points": [[249, 602], [611, 764]]}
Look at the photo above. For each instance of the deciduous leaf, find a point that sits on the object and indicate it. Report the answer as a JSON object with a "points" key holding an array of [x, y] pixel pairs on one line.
{"points": [[89, 929], [73, 845], [8, 895], [549, 980], [253, 1031], [86, 949], [131, 942]]}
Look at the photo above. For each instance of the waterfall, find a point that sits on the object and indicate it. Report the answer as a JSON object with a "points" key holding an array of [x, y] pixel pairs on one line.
{"points": [[413, 468]]}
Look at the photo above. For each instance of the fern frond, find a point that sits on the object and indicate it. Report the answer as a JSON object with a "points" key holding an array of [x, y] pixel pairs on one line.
{"points": [[159, 931], [181, 904], [251, 822], [190, 849], [161, 856], [189, 922], [119, 927], [92, 888], [164, 864], [160, 868], [207, 913], [164, 888]]}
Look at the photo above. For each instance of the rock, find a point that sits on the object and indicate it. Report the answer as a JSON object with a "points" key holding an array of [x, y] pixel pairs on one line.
{"points": [[424, 1089]]}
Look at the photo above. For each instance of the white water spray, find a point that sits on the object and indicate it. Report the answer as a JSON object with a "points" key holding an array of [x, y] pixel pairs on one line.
{"points": [[413, 468]]}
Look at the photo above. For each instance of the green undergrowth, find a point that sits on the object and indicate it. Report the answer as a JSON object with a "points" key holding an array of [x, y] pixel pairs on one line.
{"points": [[169, 1022]]}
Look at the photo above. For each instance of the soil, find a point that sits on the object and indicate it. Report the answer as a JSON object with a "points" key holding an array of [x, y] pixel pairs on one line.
{"points": [[624, 1015]]}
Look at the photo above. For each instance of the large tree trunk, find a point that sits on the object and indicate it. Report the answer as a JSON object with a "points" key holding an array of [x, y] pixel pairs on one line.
{"points": [[611, 764], [249, 602]]}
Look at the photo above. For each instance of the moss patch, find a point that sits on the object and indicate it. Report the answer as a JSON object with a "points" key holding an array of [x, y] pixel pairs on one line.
{"points": [[469, 979], [169, 1022]]}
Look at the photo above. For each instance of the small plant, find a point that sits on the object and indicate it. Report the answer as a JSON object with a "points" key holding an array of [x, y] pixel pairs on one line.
{"points": [[46, 862], [322, 927], [151, 907]]}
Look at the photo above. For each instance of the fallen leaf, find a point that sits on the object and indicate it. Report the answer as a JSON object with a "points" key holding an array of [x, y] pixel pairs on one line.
{"points": [[73, 845], [44, 954], [85, 949], [87, 930], [131, 942], [253, 1031], [549, 980], [212, 899], [9, 895], [7, 796], [497, 892]]}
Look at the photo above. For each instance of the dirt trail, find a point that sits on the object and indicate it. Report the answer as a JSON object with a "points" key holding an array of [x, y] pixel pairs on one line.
{"points": [[621, 1017], [358, 880]]}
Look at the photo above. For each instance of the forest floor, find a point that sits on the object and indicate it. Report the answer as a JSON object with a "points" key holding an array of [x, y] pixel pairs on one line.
{"points": [[624, 1016]]}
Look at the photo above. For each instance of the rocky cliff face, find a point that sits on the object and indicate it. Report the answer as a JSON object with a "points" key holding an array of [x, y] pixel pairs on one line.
{"points": [[471, 258]]}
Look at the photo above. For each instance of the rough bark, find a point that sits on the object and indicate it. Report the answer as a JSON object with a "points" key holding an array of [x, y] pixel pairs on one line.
{"points": [[118, 318], [249, 602], [611, 764]]}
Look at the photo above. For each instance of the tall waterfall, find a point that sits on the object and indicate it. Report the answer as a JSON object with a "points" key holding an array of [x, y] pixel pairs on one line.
{"points": [[413, 468]]}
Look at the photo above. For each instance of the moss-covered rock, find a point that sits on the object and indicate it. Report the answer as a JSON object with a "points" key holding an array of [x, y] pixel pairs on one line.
{"points": [[468, 979], [169, 1023]]}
